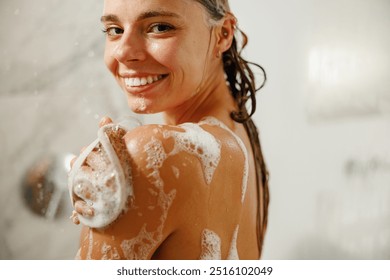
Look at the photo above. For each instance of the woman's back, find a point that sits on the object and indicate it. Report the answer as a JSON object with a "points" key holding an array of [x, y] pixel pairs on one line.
{"points": [[194, 197]]}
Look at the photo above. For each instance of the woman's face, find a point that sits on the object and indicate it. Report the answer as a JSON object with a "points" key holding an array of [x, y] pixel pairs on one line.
{"points": [[158, 50]]}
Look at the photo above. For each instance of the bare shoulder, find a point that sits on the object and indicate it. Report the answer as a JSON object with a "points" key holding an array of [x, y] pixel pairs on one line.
{"points": [[163, 152]]}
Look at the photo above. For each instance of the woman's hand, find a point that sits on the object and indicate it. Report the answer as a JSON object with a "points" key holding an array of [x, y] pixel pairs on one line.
{"points": [[80, 206]]}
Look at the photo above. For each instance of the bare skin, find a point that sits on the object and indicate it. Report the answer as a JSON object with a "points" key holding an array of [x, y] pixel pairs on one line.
{"points": [[169, 212]]}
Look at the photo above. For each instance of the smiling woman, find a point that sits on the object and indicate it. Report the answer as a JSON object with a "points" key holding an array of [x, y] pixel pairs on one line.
{"points": [[168, 53], [196, 187]]}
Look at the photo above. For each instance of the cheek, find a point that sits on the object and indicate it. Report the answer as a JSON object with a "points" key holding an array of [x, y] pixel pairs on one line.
{"points": [[109, 59], [182, 59], [165, 53]]}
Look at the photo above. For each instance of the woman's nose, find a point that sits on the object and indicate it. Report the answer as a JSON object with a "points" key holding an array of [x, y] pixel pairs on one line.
{"points": [[130, 48]]}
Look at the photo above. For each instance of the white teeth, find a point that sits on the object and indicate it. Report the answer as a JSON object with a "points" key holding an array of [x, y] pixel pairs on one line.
{"points": [[136, 82], [144, 81]]}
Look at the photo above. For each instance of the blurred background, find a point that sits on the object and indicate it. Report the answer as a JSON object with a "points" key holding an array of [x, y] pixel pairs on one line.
{"points": [[324, 118]]}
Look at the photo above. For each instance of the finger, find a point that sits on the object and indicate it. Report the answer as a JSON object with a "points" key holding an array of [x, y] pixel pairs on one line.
{"points": [[85, 190], [104, 121], [74, 218], [82, 208], [73, 161]]}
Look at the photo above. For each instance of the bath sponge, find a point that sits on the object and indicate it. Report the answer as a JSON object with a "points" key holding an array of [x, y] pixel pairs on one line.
{"points": [[101, 176]]}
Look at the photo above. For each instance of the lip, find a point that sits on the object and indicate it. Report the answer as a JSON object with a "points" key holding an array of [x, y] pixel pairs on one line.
{"points": [[141, 83]]}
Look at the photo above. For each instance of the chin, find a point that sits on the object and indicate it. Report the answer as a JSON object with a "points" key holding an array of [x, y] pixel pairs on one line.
{"points": [[140, 106]]}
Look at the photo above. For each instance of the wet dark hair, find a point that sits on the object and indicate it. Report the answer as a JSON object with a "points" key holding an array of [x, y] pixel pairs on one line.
{"points": [[242, 83]]}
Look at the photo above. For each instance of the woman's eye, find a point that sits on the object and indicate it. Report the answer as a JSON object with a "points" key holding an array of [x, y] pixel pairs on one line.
{"points": [[161, 28], [113, 31]]}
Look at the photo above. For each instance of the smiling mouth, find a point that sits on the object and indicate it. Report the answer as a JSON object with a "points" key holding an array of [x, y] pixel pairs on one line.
{"points": [[139, 82]]}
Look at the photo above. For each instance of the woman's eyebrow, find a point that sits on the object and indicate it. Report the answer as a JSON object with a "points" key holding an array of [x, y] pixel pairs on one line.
{"points": [[144, 15], [109, 18], [151, 14]]}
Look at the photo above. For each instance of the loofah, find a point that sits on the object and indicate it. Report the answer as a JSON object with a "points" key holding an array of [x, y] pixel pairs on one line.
{"points": [[101, 176]]}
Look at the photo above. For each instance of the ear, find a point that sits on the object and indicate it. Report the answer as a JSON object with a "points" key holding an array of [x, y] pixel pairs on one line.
{"points": [[225, 34]]}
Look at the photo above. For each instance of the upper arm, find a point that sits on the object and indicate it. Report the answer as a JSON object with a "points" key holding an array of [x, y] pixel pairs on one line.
{"points": [[149, 218]]}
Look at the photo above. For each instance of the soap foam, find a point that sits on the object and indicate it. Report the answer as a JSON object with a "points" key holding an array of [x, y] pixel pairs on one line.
{"points": [[140, 104], [176, 172], [109, 253], [198, 142], [139, 247], [78, 254], [211, 245], [90, 245], [215, 122], [155, 159], [233, 253], [142, 246]]}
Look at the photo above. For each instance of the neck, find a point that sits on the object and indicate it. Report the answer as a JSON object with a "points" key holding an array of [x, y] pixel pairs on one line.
{"points": [[213, 100]]}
